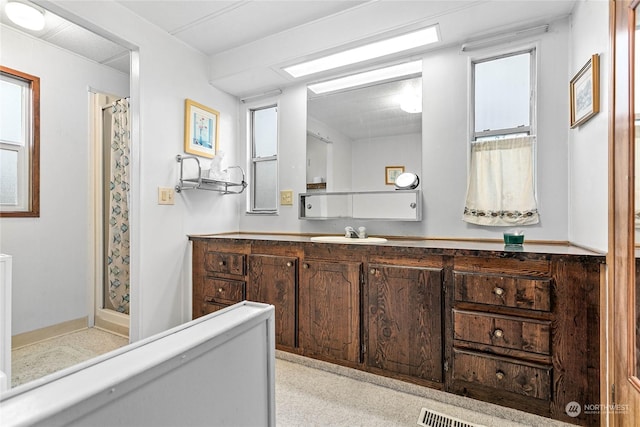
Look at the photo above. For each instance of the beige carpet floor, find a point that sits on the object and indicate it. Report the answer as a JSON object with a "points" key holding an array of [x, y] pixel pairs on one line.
{"points": [[36, 360], [308, 392]]}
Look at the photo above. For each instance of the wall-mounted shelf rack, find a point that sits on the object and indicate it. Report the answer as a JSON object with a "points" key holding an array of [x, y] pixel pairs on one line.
{"points": [[202, 183]]}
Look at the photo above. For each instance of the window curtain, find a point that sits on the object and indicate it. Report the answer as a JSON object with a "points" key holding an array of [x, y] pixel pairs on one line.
{"points": [[500, 190], [118, 252]]}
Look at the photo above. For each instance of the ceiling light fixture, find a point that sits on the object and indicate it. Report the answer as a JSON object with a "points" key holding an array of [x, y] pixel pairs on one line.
{"points": [[361, 79], [401, 43], [411, 103], [25, 15]]}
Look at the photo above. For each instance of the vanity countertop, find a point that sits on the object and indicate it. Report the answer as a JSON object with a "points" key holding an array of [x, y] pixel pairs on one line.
{"points": [[444, 246]]}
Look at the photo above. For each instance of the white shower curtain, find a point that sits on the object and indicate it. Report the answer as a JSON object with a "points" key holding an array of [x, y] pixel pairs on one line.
{"points": [[500, 189], [118, 252]]}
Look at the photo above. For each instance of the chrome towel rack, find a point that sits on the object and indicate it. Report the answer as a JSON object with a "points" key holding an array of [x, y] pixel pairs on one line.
{"points": [[205, 183]]}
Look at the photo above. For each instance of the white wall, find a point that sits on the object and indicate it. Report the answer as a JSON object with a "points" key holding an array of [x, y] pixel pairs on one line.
{"points": [[169, 72], [51, 254], [445, 149], [588, 144], [292, 137], [339, 152], [370, 156]]}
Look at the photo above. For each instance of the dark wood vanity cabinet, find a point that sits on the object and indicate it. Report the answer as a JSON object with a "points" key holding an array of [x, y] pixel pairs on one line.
{"points": [[404, 320], [218, 279], [329, 309], [525, 333], [272, 280], [516, 329]]}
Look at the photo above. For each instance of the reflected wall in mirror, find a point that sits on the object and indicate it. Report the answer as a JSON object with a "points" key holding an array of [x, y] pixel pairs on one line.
{"points": [[354, 134], [77, 69]]}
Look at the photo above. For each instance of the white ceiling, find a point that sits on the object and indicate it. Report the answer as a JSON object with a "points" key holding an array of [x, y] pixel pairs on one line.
{"points": [[249, 42]]}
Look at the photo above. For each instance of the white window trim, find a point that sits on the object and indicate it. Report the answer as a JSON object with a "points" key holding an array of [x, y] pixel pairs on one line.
{"points": [[250, 210], [496, 54]]}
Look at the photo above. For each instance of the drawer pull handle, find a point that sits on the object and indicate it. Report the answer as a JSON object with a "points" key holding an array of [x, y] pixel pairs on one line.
{"points": [[499, 375], [289, 263], [221, 263], [498, 291], [498, 333]]}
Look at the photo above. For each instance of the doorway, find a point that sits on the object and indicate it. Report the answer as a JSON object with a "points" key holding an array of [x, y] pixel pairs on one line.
{"points": [[111, 176]]}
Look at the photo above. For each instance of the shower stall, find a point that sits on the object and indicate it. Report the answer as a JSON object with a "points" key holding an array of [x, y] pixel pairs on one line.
{"points": [[111, 208]]}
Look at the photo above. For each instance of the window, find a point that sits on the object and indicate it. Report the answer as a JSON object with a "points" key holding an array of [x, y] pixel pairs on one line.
{"points": [[501, 182], [503, 93], [19, 144], [264, 159]]}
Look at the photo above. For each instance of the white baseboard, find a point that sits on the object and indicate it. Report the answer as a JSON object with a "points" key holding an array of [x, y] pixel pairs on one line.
{"points": [[31, 337]]}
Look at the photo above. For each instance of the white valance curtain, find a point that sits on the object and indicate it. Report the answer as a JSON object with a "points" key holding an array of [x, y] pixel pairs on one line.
{"points": [[501, 189]]}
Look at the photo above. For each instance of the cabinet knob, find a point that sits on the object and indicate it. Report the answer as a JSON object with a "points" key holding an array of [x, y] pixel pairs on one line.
{"points": [[373, 271], [220, 290], [289, 263], [498, 291], [498, 333], [221, 263], [305, 265], [499, 375]]}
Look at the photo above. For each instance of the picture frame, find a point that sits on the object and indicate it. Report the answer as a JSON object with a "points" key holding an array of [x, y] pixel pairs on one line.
{"points": [[584, 90], [201, 129], [391, 173]]}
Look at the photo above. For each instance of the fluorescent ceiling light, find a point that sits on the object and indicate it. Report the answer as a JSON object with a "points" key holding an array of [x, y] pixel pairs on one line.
{"points": [[25, 15], [367, 77], [408, 41]]}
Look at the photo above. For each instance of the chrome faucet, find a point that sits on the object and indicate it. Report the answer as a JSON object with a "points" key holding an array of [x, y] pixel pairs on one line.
{"points": [[353, 234]]}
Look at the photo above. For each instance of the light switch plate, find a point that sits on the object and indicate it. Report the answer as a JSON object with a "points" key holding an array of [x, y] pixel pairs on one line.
{"points": [[286, 198], [166, 196]]}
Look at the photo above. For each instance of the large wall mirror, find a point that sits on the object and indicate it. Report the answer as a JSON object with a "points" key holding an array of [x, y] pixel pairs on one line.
{"points": [[86, 81], [354, 135]]}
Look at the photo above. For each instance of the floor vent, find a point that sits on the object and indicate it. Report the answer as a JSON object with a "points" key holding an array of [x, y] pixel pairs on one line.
{"points": [[430, 418]]}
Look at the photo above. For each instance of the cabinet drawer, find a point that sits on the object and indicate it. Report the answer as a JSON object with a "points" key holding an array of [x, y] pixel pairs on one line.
{"points": [[527, 379], [503, 290], [220, 262], [502, 331], [223, 291]]}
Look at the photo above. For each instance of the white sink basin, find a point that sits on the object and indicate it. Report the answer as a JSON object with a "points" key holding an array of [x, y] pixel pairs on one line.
{"points": [[342, 239]]}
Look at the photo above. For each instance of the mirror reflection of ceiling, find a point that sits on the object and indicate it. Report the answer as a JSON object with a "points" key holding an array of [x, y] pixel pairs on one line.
{"points": [[74, 38], [249, 42], [369, 112]]}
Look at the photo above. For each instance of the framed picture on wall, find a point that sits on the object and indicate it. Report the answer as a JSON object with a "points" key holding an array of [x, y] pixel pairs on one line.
{"points": [[584, 91], [391, 173], [201, 129]]}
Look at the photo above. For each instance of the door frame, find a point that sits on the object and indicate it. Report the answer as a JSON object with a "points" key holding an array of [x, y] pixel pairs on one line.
{"points": [[103, 318], [621, 386]]}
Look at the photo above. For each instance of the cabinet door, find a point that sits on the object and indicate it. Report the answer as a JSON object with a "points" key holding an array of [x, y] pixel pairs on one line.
{"points": [[405, 320], [272, 280], [330, 309]]}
